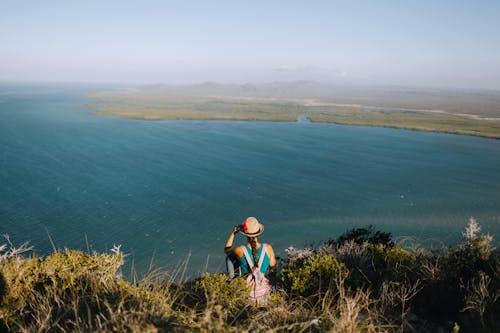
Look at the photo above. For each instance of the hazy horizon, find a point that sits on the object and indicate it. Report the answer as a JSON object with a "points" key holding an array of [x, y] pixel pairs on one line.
{"points": [[450, 44]]}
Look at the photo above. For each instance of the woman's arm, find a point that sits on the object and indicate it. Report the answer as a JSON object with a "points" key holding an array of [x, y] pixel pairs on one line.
{"points": [[272, 258], [229, 242], [271, 273]]}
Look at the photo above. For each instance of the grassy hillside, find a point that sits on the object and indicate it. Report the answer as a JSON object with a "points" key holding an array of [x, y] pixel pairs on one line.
{"points": [[359, 282]]}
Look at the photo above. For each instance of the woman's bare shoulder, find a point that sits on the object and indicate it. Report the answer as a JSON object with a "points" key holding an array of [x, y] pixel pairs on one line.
{"points": [[269, 247], [238, 251]]}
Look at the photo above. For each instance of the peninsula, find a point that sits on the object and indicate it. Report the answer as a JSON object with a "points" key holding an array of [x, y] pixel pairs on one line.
{"points": [[469, 112]]}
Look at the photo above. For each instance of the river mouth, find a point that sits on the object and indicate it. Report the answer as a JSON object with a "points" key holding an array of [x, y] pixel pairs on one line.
{"points": [[303, 119]]}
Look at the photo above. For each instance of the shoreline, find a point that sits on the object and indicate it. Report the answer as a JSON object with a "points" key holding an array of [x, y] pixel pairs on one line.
{"points": [[348, 122], [420, 113]]}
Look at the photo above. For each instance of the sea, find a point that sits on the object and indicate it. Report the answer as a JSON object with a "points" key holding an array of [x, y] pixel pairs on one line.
{"points": [[170, 192]]}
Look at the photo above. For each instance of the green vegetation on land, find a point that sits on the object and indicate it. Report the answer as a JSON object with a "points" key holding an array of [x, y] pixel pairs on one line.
{"points": [[480, 118], [360, 282]]}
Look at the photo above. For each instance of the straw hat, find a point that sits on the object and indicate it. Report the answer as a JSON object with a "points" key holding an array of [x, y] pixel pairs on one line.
{"points": [[251, 227]]}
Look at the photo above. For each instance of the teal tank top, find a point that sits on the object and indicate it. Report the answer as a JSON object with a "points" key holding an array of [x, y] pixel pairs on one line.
{"points": [[245, 269]]}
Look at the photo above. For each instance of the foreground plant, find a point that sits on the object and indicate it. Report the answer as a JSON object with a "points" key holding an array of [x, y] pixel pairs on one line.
{"points": [[361, 282]]}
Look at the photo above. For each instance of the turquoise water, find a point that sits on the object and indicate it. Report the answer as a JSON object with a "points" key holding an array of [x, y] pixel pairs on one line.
{"points": [[164, 189]]}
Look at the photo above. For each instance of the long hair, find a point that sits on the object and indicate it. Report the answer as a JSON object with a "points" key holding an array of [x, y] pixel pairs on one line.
{"points": [[253, 244]]}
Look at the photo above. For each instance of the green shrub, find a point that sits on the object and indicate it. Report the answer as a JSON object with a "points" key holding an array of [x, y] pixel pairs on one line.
{"points": [[392, 264], [364, 235], [68, 286], [456, 278], [378, 263], [313, 276], [59, 271], [465, 260], [217, 291]]}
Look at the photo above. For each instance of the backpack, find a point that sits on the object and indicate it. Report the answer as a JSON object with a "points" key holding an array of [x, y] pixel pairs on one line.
{"points": [[233, 266], [260, 288]]}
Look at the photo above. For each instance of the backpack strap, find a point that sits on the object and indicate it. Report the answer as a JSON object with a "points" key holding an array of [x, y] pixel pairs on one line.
{"points": [[249, 258], [262, 255]]}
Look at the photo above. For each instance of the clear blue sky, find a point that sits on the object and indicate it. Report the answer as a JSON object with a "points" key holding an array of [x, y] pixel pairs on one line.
{"points": [[436, 43]]}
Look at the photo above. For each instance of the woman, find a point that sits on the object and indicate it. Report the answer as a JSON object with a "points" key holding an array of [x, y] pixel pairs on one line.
{"points": [[254, 259]]}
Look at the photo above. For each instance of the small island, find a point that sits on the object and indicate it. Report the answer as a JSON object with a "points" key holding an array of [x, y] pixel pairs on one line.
{"points": [[468, 112]]}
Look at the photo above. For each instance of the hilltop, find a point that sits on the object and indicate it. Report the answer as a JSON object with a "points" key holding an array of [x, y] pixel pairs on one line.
{"points": [[361, 281]]}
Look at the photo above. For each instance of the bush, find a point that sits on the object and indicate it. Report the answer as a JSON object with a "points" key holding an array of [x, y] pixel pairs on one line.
{"points": [[467, 281], [75, 291], [314, 275], [370, 265], [364, 235], [349, 286], [392, 264], [58, 272], [218, 289]]}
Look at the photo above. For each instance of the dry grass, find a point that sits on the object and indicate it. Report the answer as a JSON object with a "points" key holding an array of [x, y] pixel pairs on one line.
{"points": [[348, 287]]}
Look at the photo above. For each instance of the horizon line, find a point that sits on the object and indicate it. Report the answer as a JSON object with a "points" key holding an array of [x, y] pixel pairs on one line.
{"points": [[243, 83]]}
